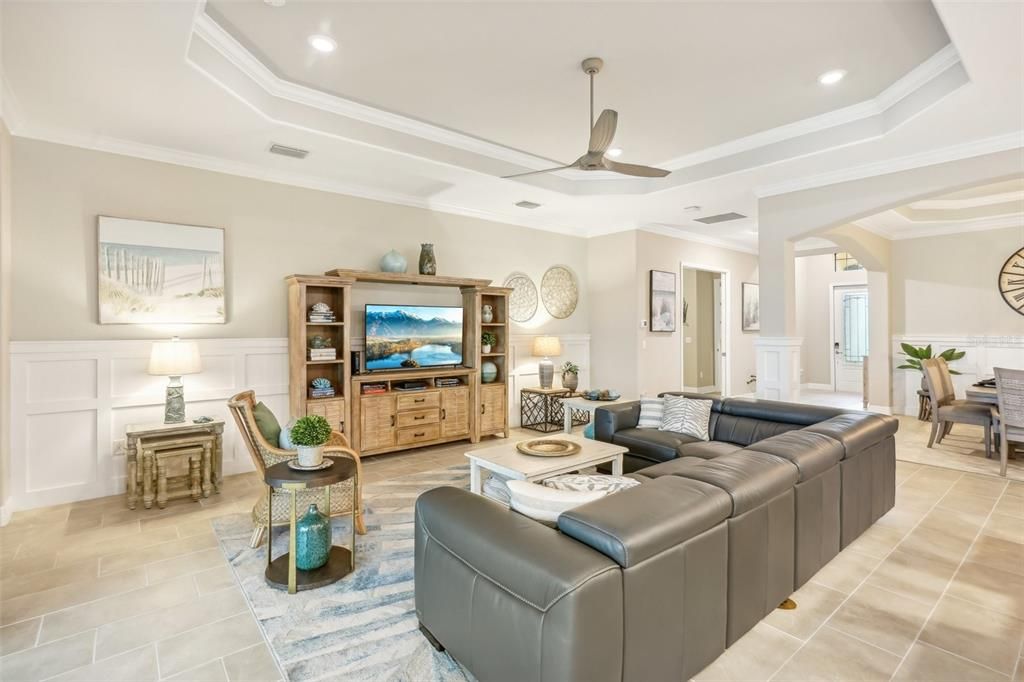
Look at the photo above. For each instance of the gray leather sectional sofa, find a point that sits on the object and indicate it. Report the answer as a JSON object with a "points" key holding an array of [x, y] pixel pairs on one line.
{"points": [[654, 582]]}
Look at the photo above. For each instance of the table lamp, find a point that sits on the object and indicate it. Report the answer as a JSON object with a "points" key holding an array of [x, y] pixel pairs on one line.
{"points": [[173, 359], [545, 347]]}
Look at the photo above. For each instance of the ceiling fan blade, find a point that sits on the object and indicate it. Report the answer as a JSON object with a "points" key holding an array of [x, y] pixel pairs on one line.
{"points": [[604, 132], [634, 169], [546, 170]]}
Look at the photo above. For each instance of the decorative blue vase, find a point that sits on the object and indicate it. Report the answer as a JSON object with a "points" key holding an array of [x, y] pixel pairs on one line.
{"points": [[312, 540], [392, 261], [488, 372]]}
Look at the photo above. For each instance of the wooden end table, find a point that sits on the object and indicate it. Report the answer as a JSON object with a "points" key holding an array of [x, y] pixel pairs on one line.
{"points": [[144, 445], [282, 572]]}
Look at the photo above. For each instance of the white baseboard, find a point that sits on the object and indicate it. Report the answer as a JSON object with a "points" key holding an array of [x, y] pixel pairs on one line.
{"points": [[6, 510], [817, 387], [880, 409]]}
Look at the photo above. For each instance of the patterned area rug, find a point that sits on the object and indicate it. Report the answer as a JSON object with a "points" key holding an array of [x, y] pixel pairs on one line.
{"points": [[364, 626]]}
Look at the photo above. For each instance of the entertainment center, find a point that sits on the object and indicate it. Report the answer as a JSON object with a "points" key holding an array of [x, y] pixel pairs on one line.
{"points": [[398, 407]]}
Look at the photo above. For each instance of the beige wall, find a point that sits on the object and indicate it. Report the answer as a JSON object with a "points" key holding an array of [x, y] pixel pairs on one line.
{"points": [[5, 307], [690, 342], [946, 285], [814, 277], [271, 230], [660, 354], [612, 272], [699, 334]]}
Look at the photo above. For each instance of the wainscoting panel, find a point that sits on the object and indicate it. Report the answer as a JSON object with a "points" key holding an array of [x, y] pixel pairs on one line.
{"points": [[983, 353], [524, 373], [71, 402]]}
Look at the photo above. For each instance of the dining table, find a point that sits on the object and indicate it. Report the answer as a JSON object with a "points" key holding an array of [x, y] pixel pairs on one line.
{"points": [[983, 394]]}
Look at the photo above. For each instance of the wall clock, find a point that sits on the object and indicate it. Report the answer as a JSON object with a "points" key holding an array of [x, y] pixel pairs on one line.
{"points": [[1011, 281]]}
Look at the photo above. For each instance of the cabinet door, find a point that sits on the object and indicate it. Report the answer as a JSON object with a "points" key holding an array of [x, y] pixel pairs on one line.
{"points": [[377, 414], [492, 408], [454, 411]]}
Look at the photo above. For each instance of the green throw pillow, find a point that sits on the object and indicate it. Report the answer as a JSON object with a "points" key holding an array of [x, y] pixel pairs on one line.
{"points": [[267, 423]]}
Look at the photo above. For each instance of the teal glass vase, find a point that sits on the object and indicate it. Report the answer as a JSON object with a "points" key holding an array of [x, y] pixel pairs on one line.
{"points": [[312, 540]]}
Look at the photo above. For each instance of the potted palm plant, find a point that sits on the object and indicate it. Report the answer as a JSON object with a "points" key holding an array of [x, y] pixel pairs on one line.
{"points": [[570, 376], [309, 435], [915, 354], [487, 341]]}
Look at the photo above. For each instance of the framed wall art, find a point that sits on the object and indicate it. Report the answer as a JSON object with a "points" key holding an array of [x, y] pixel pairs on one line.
{"points": [[663, 301], [158, 273], [751, 307]]}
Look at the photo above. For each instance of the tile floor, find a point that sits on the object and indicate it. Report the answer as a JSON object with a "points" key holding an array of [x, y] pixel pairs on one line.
{"points": [[93, 591]]}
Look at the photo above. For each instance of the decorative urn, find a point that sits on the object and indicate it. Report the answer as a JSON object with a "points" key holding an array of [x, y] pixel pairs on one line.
{"points": [[312, 540], [392, 261]]}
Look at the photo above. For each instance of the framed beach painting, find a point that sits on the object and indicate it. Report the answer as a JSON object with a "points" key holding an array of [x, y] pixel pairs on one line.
{"points": [[159, 273], [663, 301], [751, 307]]}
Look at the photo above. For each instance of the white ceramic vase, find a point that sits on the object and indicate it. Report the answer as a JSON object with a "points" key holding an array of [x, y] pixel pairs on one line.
{"points": [[487, 315], [311, 456], [485, 348]]}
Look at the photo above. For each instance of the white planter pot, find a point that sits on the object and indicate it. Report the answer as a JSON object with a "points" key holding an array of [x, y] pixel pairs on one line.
{"points": [[485, 348], [310, 456]]}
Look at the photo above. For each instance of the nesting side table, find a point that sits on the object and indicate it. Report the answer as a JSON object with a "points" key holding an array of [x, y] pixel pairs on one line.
{"points": [[282, 571], [151, 451]]}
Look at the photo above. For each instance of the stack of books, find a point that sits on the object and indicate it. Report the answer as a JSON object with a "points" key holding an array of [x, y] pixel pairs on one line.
{"points": [[323, 353], [322, 316], [321, 392], [447, 382], [374, 388]]}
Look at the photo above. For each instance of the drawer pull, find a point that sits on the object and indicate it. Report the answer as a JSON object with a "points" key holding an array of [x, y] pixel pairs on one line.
{"points": [[392, 420], [483, 408], [420, 434], [420, 400], [422, 416], [444, 414]]}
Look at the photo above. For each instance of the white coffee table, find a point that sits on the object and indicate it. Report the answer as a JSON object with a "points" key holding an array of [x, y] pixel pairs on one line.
{"points": [[504, 459], [578, 403]]}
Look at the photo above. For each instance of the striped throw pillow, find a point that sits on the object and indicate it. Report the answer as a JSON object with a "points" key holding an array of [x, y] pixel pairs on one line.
{"points": [[650, 413], [687, 416]]}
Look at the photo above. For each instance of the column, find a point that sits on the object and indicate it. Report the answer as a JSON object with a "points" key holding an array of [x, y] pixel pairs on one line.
{"points": [[778, 347], [879, 344]]}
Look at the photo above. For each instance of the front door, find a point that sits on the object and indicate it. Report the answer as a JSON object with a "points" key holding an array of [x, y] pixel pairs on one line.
{"points": [[850, 334]]}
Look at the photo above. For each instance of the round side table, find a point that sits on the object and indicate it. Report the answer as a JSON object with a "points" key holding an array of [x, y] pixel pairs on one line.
{"points": [[282, 572]]}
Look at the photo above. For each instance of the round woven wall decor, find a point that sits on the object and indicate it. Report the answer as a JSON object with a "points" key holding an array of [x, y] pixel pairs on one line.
{"points": [[522, 302], [559, 291]]}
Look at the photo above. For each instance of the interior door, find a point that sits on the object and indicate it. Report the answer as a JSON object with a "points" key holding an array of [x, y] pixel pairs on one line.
{"points": [[850, 338], [720, 359], [454, 411]]}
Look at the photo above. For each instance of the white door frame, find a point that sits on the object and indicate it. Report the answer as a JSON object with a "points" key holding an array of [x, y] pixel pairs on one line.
{"points": [[832, 325], [726, 357]]}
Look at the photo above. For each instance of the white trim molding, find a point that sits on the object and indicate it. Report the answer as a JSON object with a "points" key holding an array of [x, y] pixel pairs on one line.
{"points": [[778, 367]]}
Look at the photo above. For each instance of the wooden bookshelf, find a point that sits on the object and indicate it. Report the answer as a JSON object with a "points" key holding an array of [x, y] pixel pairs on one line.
{"points": [[491, 400]]}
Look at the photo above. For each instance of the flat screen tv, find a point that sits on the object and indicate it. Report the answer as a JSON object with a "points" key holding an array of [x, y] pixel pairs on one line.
{"points": [[407, 336]]}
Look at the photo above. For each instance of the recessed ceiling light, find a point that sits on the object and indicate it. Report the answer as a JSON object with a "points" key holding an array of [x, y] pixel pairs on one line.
{"points": [[832, 77], [322, 43], [614, 152]]}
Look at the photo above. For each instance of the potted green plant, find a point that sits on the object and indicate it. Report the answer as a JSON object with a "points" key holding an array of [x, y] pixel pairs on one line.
{"points": [[487, 341], [309, 435], [570, 376], [915, 354]]}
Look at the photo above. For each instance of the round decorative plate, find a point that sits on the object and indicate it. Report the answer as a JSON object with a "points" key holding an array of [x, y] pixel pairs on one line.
{"points": [[548, 447], [559, 291], [326, 464], [522, 302]]}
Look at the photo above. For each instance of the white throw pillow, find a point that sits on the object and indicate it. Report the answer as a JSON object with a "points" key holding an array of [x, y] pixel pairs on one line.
{"points": [[651, 410], [546, 504], [687, 416], [591, 482]]}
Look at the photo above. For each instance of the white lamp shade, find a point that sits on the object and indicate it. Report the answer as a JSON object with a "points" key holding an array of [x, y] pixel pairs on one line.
{"points": [[546, 346], [174, 358]]}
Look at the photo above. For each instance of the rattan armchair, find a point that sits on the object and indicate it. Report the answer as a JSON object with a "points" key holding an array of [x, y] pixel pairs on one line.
{"points": [[343, 495], [1010, 393]]}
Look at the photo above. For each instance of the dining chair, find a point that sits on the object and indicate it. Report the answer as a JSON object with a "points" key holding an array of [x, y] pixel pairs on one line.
{"points": [[947, 410], [264, 454], [1010, 394]]}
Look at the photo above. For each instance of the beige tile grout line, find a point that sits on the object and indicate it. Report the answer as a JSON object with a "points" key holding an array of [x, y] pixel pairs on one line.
{"points": [[963, 560], [871, 572]]}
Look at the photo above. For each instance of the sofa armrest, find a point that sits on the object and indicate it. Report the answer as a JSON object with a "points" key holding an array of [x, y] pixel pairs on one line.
{"points": [[635, 524], [857, 431], [612, 418], [533, 562]]}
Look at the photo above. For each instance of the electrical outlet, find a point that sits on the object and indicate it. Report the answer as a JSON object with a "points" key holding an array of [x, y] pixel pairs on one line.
{"points": [[119, 448]]}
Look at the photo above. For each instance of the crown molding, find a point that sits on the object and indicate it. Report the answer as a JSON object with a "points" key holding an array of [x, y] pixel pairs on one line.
{"points": [[936, 229], [687, 235], [219, 165], [988, 145], [973, 202]]}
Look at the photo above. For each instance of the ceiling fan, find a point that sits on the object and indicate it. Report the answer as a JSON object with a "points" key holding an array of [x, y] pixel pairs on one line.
{"points": [[601, 135]]}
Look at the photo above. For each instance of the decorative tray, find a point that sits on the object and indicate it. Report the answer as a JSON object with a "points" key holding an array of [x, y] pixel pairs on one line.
{"points": [[548, 447], [326, 464]]}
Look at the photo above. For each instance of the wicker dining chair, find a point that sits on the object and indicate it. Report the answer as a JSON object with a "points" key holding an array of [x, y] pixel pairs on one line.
{"points": [[947, 410], [1010, 394], [264, 454]]}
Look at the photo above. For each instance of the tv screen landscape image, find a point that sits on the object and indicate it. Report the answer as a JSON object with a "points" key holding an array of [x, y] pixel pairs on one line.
{"points": [[406, 336]]}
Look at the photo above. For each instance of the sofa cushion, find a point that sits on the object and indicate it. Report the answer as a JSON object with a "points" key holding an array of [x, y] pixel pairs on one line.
{"points": [[687, 416], [857, 431], [744, 431], [811, 453], [750, 478], [636, 524], [671, 467], [267, 423], [708, 450], [777, 411], [651, 443], [651, 413]]}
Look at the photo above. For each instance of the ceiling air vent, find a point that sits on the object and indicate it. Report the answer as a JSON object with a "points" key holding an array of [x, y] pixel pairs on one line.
{"points": [[720, 218], [293, 152], [527, 204]]}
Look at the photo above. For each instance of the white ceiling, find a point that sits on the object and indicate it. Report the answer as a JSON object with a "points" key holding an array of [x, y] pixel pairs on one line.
{"points": [[164, 80]]}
